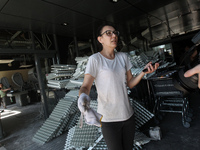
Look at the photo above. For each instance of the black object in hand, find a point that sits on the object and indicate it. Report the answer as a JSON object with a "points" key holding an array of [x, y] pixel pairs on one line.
{"points": [[145, 70]]}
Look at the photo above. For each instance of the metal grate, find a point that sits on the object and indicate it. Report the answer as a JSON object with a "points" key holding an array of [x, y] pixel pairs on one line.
{"points": [[84, 137], [57, 121]]}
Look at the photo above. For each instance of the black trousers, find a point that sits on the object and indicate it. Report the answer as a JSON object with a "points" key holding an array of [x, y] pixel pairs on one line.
{"points": [[119, 135]]}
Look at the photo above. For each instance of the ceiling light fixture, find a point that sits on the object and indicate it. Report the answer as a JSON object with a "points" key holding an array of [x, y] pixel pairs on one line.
{"points": [[115, 1], [6, 61], [25, 66], [64, 23]]}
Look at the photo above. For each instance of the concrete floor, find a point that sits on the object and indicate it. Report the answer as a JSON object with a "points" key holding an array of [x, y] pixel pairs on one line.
{"points": [[20, 128], [174, 135]]}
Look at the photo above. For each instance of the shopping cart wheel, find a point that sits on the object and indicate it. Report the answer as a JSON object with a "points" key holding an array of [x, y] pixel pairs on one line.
{"points": [[186, 124], [190, 115], [188, 119]]}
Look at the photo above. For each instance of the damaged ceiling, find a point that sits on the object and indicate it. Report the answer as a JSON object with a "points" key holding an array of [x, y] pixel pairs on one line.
{"points": [[152, 20]]}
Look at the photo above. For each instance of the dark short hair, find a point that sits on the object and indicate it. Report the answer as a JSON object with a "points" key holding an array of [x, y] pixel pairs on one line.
{"points": [[99, 31]]}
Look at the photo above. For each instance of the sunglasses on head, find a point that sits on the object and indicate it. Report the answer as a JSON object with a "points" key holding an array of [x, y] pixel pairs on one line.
{"points": [[110, 33]]}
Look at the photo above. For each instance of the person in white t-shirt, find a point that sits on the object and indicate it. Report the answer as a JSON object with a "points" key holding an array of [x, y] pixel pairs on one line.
{"points": [[111, 72]]}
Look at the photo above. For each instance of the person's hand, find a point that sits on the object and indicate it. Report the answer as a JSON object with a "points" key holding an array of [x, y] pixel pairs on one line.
{"points": [[7, 89], [193, 71], [149, 68], [83, 102]]}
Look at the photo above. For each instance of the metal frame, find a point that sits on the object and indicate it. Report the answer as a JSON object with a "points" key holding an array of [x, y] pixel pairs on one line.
{"points": [[169, 100]]}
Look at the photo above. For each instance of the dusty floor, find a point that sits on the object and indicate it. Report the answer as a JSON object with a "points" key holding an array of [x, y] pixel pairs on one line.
{"points": [[174, 135], [20, 128]]}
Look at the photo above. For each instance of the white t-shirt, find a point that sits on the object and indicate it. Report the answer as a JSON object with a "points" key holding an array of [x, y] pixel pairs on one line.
{"points": [[111, 84]]}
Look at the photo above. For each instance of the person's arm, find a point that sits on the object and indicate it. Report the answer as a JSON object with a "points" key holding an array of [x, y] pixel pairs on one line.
{"points": [[4, 90], [87, 84], [133, 81], [193, 71], [193, 56]]}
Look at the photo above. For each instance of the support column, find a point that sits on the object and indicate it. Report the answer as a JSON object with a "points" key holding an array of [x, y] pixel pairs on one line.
{"points": [[168, 27], [94, 42], [40, 80], [76, 46], [149, 25], [57, 50], [45, 59]]}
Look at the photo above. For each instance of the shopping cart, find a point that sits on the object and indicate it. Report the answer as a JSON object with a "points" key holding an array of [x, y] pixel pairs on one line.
{"points": [[169, 100]]}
